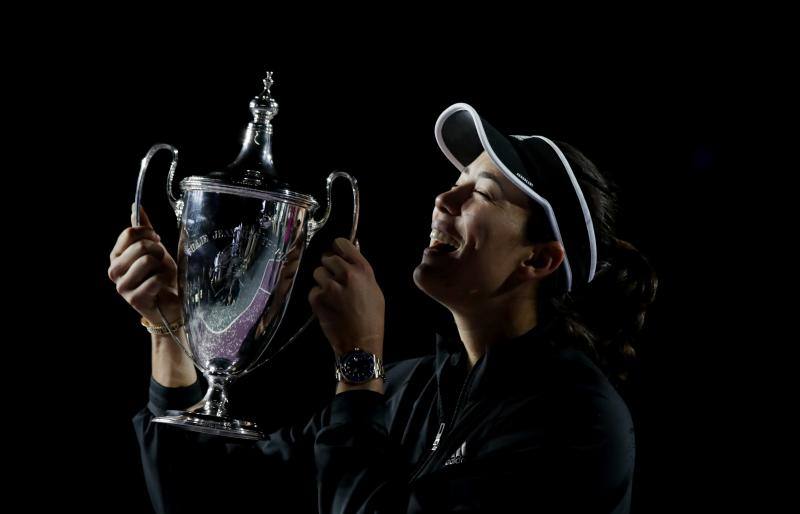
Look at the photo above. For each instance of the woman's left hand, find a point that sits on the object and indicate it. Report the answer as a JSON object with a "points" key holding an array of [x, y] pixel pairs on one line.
{"points": [[347, 300]]}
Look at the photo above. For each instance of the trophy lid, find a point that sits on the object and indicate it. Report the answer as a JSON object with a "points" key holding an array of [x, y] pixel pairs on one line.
{"points": [[253, 172]]}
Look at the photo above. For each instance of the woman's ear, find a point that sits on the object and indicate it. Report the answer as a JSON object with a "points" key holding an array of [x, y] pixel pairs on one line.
{"points": [[529, 267], [543, 259]]}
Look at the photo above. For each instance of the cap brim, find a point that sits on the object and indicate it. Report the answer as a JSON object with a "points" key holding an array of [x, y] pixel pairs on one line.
{"points": [[463, 135]]}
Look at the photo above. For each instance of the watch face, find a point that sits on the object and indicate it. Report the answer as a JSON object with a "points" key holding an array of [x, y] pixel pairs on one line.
{"points": [[358, 366]]}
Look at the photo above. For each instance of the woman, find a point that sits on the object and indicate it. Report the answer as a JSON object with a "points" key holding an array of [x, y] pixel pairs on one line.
{"points": [[516, 413]]}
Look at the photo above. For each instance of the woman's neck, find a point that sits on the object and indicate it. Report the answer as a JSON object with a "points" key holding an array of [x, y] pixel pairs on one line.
{"points": [[480, 327]]}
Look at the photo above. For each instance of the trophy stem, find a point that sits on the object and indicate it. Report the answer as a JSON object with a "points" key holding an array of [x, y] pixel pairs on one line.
{"points": [[215, 402], [212, 414]]}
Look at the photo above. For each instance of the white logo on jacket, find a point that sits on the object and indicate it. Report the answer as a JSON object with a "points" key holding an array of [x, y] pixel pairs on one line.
{"points": [[458, 456]]}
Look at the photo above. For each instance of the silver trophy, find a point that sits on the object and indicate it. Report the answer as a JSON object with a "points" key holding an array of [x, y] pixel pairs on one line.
{"points": [[242, 236]]}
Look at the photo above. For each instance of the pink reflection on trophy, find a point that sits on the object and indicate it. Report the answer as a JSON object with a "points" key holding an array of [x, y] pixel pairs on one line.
{"points": [[226, 343]]}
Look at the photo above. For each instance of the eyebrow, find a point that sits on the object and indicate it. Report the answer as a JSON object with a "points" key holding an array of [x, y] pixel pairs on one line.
{"points": [[486, 174]]}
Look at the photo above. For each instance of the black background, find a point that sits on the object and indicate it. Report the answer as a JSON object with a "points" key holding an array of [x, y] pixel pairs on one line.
{"points": [[660, 125]]}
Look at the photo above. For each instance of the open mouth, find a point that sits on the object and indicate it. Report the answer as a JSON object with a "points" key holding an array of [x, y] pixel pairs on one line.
{"points": [[443, 243]]}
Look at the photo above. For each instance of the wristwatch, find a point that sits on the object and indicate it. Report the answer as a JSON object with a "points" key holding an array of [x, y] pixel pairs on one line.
{"points": [[359, 367]]}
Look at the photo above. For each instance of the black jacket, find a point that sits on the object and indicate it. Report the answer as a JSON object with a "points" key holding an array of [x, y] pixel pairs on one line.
{"points": [[530, 428]]}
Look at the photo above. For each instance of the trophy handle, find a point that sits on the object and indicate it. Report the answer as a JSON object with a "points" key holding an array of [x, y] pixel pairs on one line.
{"points": [[177, 207], [176, 203], [313, 227]]}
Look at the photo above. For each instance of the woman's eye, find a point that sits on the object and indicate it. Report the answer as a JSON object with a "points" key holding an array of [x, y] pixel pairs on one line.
{"points": [[485, 195]]}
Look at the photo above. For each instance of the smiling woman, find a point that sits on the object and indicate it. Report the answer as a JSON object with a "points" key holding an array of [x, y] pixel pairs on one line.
{"points": [[517, 413], [489, 271]]}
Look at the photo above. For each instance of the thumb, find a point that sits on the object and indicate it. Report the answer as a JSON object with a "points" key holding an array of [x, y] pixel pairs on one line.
{"points": [[145, 221]]}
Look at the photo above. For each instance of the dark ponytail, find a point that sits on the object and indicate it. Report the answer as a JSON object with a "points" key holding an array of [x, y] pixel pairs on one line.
{"points": [[602, 318]]}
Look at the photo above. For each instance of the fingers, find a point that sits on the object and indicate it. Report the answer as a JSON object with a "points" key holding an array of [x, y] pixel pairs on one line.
{"points": [[323, 277], [342, 265], [129, 236], [337, 267], [143, 297], [139, 272], [119, 265], [320, 293], [350, 253]]}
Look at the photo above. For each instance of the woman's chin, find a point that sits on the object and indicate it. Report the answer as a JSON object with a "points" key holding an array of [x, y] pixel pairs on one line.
{"points": [[430, 281], [419, 276], [424, 278]]}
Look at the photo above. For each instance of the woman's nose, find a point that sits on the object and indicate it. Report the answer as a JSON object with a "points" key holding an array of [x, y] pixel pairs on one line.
{"points": [[450, 201]]}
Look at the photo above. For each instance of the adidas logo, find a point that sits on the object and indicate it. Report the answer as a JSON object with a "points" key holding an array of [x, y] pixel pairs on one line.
{"points": [[458, 456]]}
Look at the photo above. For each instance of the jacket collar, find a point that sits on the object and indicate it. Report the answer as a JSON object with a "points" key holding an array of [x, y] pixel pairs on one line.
{"points": [[504, 367]]}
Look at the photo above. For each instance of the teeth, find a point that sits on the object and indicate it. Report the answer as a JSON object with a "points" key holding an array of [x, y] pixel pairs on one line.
{"points": [[443, 238]]}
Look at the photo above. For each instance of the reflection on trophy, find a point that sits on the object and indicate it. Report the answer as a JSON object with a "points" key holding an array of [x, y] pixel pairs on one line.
{"points": [[243, 231]]}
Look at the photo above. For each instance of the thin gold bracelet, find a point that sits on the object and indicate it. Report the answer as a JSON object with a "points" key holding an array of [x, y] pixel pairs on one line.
{"points": [[161, 328]]}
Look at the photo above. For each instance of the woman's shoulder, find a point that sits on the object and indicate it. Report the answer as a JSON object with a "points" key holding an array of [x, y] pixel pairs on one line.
{"points": [[585, 398], [572, 397]]}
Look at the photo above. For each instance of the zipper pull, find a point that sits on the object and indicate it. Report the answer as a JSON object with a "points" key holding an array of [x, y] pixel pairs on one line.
{"points": [[438, 437]]}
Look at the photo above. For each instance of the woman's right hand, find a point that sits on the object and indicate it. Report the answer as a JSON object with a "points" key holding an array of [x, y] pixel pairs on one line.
{"points": [[144, 272]]}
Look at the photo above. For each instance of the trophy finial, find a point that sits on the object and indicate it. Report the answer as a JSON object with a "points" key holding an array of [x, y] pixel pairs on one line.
{"points": [[253, 167], [263, 106], [267, 83]]}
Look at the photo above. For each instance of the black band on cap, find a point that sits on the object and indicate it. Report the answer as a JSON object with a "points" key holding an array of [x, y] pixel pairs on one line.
{"points": [[552, 181]]}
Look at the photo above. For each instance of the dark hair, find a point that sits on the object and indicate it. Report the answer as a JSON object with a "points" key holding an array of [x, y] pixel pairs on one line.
{"points": [[604, 317]]}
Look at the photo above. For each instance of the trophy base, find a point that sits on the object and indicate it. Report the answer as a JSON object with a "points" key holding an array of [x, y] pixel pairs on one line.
{"points": [[214, 425]]}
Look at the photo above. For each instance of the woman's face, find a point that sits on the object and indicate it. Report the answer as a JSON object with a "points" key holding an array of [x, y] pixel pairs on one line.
{"points": [[485, 216]]}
